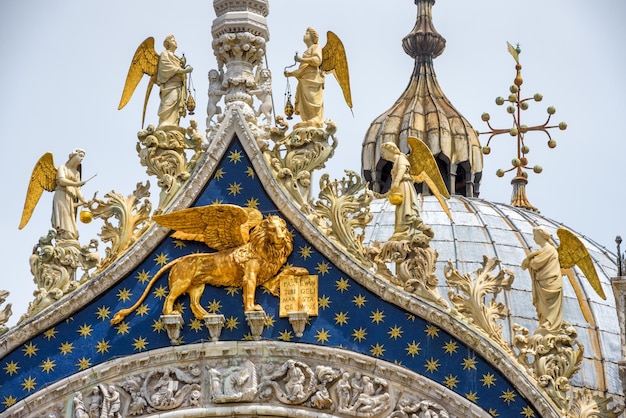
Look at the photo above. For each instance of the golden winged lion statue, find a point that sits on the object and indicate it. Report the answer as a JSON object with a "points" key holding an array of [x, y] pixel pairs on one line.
{"points": [[65, 181], [168, 71], [547, 265], [315, 62], [250, 252]]}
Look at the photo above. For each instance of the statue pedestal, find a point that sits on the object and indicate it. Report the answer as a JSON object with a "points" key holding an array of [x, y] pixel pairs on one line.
{"points": [[173, 326], [298, 322], [256, 322], [214, 323]]}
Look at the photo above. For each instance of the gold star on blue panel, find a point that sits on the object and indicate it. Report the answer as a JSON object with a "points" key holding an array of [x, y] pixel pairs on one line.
{"points": [[350, 317]]}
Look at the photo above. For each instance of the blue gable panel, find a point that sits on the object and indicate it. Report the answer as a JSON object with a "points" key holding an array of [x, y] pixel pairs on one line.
{"points": [[350, 317]]}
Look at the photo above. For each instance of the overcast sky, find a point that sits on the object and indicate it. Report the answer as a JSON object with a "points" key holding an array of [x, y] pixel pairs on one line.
{"points": [[65, 62]]}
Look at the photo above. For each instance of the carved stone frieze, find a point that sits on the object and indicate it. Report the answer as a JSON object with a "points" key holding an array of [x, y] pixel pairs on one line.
{"points": [[468, 296], [235, 381], [409, 407], [164, 389], [195, 379]]}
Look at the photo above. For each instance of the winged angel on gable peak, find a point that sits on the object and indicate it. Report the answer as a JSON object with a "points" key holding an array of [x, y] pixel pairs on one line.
{"points": [[315, 62], [65, 181], [251, 250], [168, 71], [547, 265]]}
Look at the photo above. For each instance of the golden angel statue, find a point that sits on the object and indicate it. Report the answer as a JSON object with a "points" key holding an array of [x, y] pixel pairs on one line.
{"points": [[546, 266], [166, 70], [250, 252], [314, 64], [65, 182], [417, 167]]}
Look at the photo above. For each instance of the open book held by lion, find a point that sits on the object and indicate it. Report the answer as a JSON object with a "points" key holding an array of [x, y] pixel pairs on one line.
{"points": [[250, 252]]}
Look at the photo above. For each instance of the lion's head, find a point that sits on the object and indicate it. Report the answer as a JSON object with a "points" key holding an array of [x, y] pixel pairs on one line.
{"points": [[273, 242], [272, 232]]}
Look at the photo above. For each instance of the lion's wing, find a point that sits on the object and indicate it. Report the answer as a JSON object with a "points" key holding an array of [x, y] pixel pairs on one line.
{"points": [[218, 226]]}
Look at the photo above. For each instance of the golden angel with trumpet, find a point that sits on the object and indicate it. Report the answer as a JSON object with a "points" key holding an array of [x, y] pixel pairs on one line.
{"points": [[65, 181], [168, 71], [315, 62], [547, 265], [416, 167]]}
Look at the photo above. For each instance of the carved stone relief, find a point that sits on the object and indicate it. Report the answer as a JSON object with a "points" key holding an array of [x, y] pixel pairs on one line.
{"points": [[131, 218], [163, 153], [54, 264], [468, 295], [204, 376]]}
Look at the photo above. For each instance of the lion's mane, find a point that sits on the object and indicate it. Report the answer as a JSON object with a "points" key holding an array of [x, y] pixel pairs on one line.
{"points": [[263, 246]]}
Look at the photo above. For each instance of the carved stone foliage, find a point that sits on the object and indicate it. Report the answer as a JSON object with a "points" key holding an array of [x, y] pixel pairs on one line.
{"points": [[163, 153], [342, 210], [54, 264], [468, 296], [132, 219], [587, 404], [295, 157], [415, 264], [552, 359], [5, 313], [239, 52]]}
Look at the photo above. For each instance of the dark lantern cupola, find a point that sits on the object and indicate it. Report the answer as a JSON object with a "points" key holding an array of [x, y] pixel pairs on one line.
{"points": [[424, 112]]}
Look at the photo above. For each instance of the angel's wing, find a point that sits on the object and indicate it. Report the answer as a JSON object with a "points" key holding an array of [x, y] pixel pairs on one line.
{"points": [[145, 61], [218, 226], [424, 169], [334, 61], [43, 178], [573, 252]]}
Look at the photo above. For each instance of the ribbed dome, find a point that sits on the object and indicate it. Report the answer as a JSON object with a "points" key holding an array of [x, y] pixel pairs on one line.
{"points": [[503, 231], [424, 112]]}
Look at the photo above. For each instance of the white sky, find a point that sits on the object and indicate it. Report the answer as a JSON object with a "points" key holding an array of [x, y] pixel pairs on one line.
{"points": [[65, 63]]}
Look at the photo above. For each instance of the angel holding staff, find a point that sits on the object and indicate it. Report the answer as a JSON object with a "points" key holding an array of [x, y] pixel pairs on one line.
{"points": [[65, 182]]}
